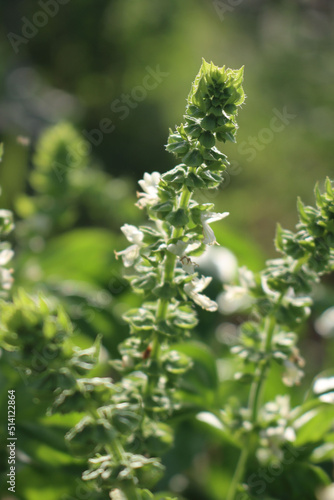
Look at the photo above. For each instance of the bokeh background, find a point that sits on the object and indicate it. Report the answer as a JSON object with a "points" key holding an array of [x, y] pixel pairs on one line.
{"points": [[89, 54], [80, 68]]}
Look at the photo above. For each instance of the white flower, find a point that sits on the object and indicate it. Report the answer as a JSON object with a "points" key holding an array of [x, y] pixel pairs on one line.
{"points": [[116, 495], [180, 248], [132, 234], [6, 278], [237, 297], [188, 265], [5, 256], [292, 375], [275, 415], [324, 325], [149, 185], [177, 248], [323, 384], [267, 290], [206, 219], [194, 288], [281, 407], [135, 236]]}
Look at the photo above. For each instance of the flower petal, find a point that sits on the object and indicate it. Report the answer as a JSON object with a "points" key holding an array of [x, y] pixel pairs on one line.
{"points": [[132, 234], [129, 255]]}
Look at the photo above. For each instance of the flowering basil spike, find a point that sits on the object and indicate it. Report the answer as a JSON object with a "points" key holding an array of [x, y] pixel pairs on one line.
{"points": [[160, 255], [278, 299]]}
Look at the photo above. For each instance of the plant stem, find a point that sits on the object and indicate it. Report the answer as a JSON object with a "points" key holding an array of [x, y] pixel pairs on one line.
{"points": [[260, 375], [238, 474], [254, 404], [168, 277]]}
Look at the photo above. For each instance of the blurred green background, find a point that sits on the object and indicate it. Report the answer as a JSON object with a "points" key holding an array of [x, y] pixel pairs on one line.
{"points": [[119, 71], [89, 54]]}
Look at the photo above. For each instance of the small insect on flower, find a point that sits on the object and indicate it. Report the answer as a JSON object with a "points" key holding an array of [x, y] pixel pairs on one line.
{"points": [[147, 352]]}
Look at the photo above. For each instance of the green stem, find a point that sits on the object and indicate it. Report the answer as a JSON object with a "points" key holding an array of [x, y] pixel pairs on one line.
{"points": [[115, 449], [238, 474], [254, 404], [168, 277], [260, 376]]}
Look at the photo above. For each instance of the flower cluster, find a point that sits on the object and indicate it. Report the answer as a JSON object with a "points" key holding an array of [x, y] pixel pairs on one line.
{"points": [[279, 302], [160, 255], [282, 290]]}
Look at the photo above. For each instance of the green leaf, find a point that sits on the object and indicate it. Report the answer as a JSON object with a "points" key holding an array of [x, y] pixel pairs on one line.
{"points": [[301, 210], [163, 208], [193, 158], [178, 218], [184, 317], [176, 362], [329, 189], [194, 181], [209, 123], [314, 424], [176, 175], [141, 318], [146, 282], [323, 453], [165, 291], [207, 139], [158, 437]]}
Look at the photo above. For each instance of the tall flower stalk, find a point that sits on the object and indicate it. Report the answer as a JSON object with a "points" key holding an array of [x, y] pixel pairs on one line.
{"points": [[280, 302], [161, 254]]}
